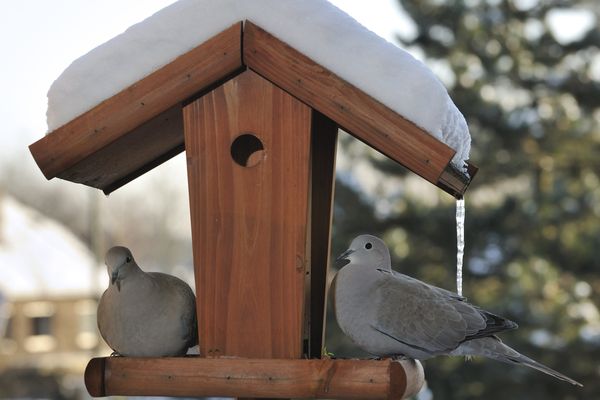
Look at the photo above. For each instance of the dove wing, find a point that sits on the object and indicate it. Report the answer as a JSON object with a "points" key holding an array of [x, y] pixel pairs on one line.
{"points": [[428, 318], [183, 303]]}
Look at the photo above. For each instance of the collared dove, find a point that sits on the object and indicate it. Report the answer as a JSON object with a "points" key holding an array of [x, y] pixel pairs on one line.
{"points": [[145, 314], [389, 314]]}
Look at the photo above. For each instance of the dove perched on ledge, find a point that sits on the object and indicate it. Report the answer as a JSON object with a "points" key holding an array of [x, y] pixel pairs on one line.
{"points": [[389, 314], [145, 314]]}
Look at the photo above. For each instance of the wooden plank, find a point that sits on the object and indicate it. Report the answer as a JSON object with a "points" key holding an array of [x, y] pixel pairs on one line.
{"points": [[323, 150], [249, 224], [358, 113], [85, 135], [132, 154], [257, 378]]}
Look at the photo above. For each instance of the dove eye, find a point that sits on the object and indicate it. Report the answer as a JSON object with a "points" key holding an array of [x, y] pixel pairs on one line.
{"points": [[368, 246], [128, 260]]}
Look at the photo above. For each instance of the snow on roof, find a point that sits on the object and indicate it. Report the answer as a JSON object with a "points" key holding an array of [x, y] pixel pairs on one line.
{"points": [[316, 28], [40, 257]]}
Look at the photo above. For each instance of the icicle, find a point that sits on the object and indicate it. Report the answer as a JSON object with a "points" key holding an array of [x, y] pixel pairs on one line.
{"points": [[460, 242]]}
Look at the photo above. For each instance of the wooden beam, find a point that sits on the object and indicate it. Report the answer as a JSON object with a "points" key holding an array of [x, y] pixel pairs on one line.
{"points": [[257, 378], [57, 153], [356, 112]]}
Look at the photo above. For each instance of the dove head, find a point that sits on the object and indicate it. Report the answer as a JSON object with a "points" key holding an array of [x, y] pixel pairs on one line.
{"points": [[368, 251], [119, 263]]}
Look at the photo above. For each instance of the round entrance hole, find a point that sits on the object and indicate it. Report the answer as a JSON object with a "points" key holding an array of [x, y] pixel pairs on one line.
{"points": [[247, 150]]}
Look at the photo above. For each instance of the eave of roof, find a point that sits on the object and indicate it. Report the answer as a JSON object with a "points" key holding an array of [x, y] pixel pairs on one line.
{"points": [[141, 127]]}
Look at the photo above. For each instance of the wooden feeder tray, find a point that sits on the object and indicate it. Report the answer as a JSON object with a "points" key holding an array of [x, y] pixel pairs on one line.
{"points": [[256, 378]]}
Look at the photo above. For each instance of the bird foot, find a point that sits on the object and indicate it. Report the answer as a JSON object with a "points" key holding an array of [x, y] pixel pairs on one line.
{"points": [[393, 358], [115, 354]]}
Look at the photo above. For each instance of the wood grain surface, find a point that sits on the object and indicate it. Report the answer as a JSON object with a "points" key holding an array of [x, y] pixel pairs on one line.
{"points": [[249, 224]]}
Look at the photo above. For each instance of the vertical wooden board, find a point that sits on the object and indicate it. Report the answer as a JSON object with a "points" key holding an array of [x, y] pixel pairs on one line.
{"points": [[323, 150], [249, 223]]}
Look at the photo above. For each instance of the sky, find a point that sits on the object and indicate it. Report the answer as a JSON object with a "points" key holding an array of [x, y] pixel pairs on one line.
{"points": [[40, 38]]}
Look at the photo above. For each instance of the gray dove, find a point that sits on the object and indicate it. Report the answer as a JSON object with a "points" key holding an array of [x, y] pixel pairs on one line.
{"points": [[145, 314], [389, 314]]}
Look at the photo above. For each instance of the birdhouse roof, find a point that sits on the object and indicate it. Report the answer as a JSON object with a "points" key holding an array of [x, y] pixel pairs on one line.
{"points": [[115, 113]]}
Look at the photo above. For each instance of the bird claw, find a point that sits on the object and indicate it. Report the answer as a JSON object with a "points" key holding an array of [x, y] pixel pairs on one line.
{"points": [[398, 357], [115, 354]]}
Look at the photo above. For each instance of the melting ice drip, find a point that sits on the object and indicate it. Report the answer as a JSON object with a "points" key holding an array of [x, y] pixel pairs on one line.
{"points": [[460, 242]]}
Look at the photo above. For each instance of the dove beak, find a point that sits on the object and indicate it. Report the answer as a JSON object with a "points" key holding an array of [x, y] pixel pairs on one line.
{"points": [[343, 258], [114, 278]]}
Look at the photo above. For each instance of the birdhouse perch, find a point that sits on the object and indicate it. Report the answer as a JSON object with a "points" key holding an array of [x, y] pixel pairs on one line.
{"points": [[258, 121]]}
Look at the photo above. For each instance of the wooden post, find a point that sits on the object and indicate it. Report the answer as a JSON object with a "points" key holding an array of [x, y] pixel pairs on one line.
{"points": [[323, 150], [248, 149]]}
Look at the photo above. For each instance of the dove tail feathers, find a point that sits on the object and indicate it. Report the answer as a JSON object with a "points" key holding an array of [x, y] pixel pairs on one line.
{"points": [[492, 347]]}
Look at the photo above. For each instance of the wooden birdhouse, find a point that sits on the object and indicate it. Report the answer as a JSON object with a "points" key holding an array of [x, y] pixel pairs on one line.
{"points": [[258, 121]]}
